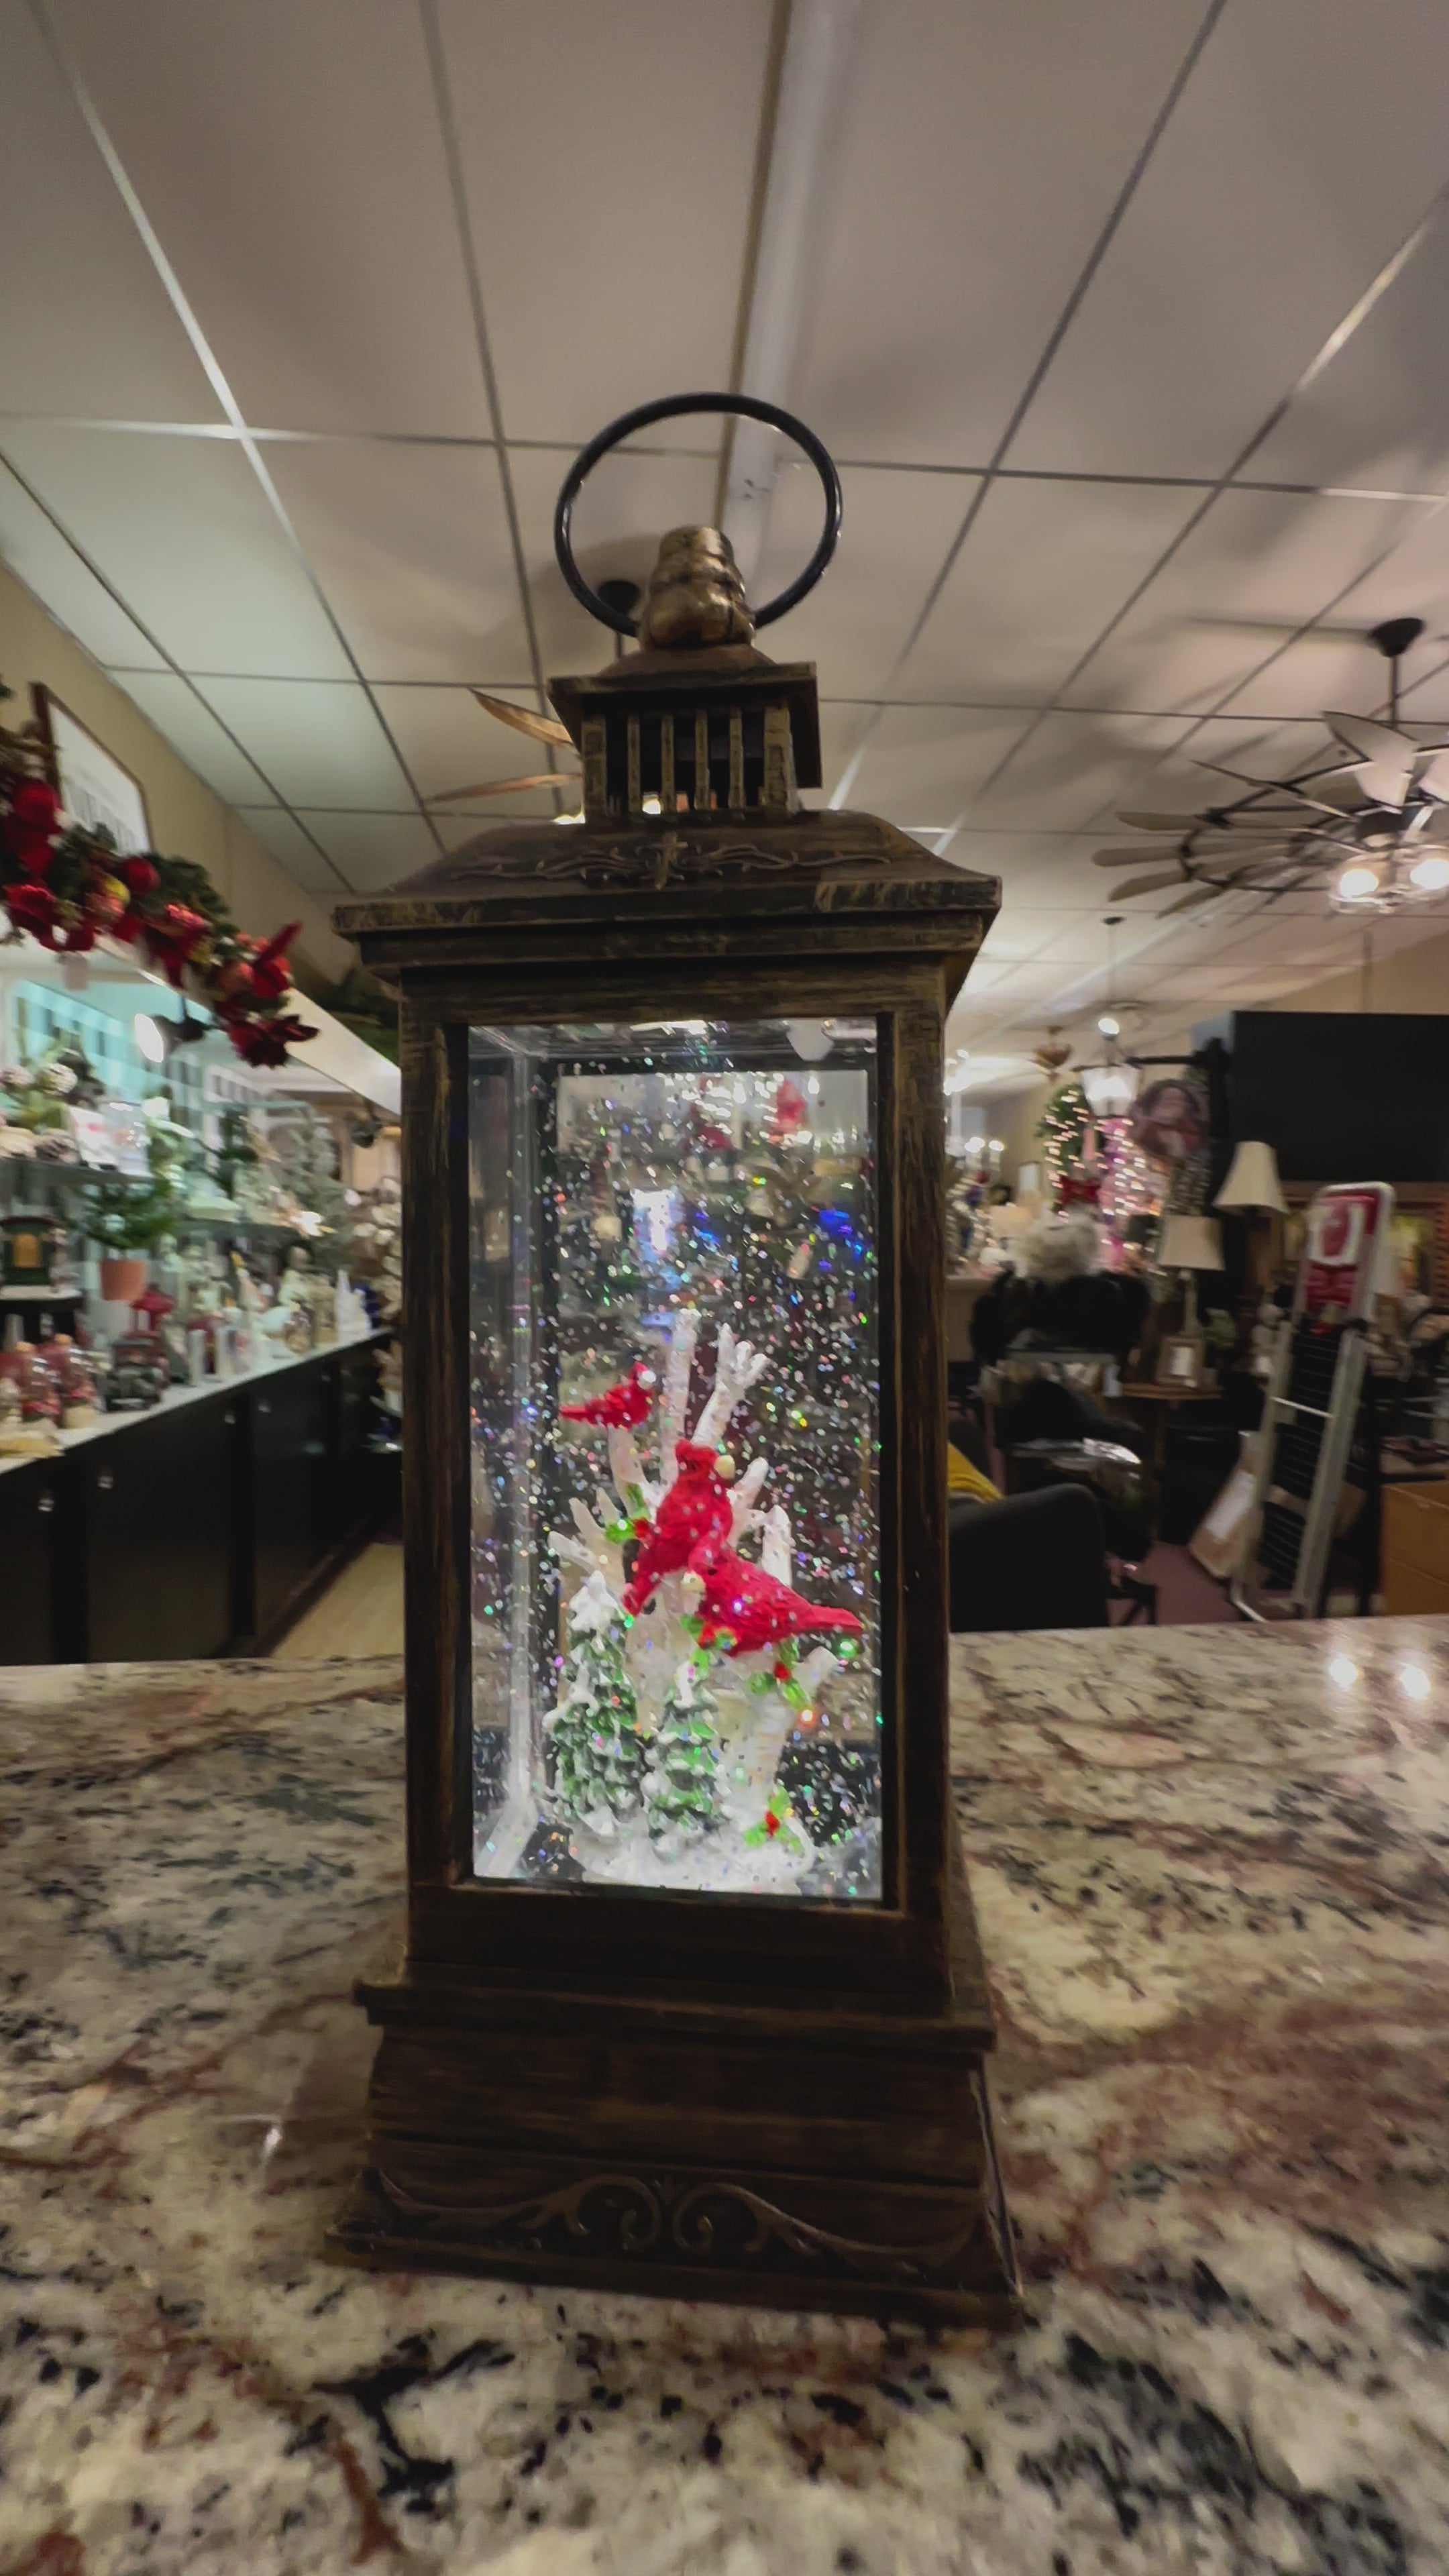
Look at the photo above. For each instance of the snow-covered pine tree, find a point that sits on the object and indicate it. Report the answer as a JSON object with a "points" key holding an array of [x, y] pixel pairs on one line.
{"points": [[681, 1780], [598, 1751]]}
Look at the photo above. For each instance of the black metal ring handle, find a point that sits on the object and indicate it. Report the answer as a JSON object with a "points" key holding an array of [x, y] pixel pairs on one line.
{"points": [[748, 407]]}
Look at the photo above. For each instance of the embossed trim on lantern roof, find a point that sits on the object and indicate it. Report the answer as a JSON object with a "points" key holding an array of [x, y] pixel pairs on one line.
{"points": [[689, 864]]}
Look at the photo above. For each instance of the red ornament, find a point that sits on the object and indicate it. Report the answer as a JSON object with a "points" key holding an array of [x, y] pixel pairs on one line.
{"points": [[755, 1609], [32, 907], [35, 807], [142, 875], [270, 979], [264, 1042], [772, 1823], [624, 1404], [690, 1528]]}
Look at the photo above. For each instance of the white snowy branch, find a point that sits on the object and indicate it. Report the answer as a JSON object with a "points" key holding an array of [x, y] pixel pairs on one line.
{"points": [[626, 1467], [743, 1515], [588, 1547], [777, 1547], [674, 1400], [737, 1366]]}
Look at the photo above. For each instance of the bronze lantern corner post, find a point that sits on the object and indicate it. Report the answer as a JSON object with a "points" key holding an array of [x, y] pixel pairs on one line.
{"points": [[692, 2000]]}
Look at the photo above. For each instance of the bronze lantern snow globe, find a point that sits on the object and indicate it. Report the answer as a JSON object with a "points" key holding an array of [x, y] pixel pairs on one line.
{"points": [[692, 1999]]}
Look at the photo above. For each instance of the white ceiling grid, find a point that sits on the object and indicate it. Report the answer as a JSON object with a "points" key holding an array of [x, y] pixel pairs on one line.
{"points": [[1126, 330]]}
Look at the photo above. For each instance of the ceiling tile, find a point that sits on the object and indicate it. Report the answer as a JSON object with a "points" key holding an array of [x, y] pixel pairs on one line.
{"points": [[979, 154], [894, 533], [290, 847], [85, 324], [319, 747], [182, 528], [373, 850], [177, 712], [1072, 766], [52, 569], [922, 764], [1043, 569], [449, 741], [1213, 626], [626, 506], [1378, 414], [411, 547], [1309, 140], [608, 159], [289, 158]]}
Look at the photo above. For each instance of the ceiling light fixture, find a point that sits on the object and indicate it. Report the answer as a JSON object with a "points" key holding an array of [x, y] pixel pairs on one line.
{"points": [[1372, 825]]}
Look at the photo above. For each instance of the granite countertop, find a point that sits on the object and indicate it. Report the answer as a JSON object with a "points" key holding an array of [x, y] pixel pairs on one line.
{"points": [[1210, 1867]]}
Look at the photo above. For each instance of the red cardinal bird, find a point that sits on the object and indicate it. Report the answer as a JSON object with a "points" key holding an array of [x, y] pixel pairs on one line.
{"points": [[755, 1609], [691, 1526], [619, 1406]]}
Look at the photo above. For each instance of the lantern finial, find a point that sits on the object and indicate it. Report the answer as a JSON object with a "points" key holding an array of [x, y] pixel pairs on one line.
{"points": [[695, 596]]}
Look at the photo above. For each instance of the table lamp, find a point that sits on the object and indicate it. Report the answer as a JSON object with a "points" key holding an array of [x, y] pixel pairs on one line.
{"points": [[1252, 1181], [1189, 1244], [1254, 1192]]}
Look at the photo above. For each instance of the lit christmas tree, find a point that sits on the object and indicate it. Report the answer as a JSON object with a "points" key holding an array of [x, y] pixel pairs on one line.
{"points": [[1070, 1146], [1131, 1184], [598, 1751], [681, 1784]]}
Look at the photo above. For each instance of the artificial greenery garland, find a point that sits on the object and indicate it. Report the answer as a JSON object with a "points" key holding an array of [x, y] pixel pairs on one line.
{"points": [[66, 886]]}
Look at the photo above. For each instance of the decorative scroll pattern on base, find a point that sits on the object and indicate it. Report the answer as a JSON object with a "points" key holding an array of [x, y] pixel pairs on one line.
{"points": [[676, 2216]]}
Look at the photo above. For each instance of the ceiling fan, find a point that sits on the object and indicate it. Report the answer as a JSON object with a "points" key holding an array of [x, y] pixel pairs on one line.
{"points": [[619, 594], [1372, 824]]}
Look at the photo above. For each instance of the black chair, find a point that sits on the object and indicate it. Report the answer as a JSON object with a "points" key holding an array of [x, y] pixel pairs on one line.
{"points": [[1029, 1561]]}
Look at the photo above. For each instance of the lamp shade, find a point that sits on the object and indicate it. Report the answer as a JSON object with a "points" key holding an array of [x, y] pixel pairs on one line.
{"points": [[1190, 1243], [1253, 1181]]}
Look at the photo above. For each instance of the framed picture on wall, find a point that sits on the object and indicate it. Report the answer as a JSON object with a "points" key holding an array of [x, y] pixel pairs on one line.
{"points": [[95, 788]]}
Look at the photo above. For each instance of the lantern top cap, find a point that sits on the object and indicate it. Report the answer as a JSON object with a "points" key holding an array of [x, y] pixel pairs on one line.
{"points": [[695, 597], [693, 749]]}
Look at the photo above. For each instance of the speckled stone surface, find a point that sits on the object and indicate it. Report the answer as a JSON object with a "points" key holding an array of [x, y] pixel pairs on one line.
{"points": [[1212, 1872]]}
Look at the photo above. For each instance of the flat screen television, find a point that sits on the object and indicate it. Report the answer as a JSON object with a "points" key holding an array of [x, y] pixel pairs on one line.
{"points": [[1344, 1095]]}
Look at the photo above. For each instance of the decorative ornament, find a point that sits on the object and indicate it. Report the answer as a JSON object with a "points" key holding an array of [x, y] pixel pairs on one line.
{"points": [[750, 1608], [690, 1528], [627, 1403]]}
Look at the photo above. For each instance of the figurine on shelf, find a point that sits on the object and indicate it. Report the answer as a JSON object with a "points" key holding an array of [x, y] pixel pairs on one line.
{"points": [[36, 1384], [19, 1438], [76, 1385], [139, 1376]]}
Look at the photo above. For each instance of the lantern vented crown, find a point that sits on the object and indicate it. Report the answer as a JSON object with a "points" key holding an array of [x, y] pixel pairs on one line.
{"points": [[696, 721]]}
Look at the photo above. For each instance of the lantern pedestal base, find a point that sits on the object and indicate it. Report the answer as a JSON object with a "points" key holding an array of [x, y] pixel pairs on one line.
{"points": [[802, 2154]]}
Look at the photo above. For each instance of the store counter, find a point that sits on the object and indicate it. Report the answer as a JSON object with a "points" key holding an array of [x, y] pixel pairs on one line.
{"points": [[195, 1527], [1210, 1871]]}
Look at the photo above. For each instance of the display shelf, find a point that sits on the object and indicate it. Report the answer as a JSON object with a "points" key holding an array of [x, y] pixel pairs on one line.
{"points": [[41, 1296], [177, 1398]]}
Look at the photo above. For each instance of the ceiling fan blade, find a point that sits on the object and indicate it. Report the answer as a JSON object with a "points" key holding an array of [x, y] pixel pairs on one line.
{"points": [[1433, 778], [1126, 858], [1382, 785], [506, 786], [522, 719], [1197, 894], [1146, 885], [1372, 740]]}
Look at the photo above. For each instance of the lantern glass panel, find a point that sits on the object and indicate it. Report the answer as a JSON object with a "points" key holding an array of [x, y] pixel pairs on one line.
{"points": [[676, 1669]]}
